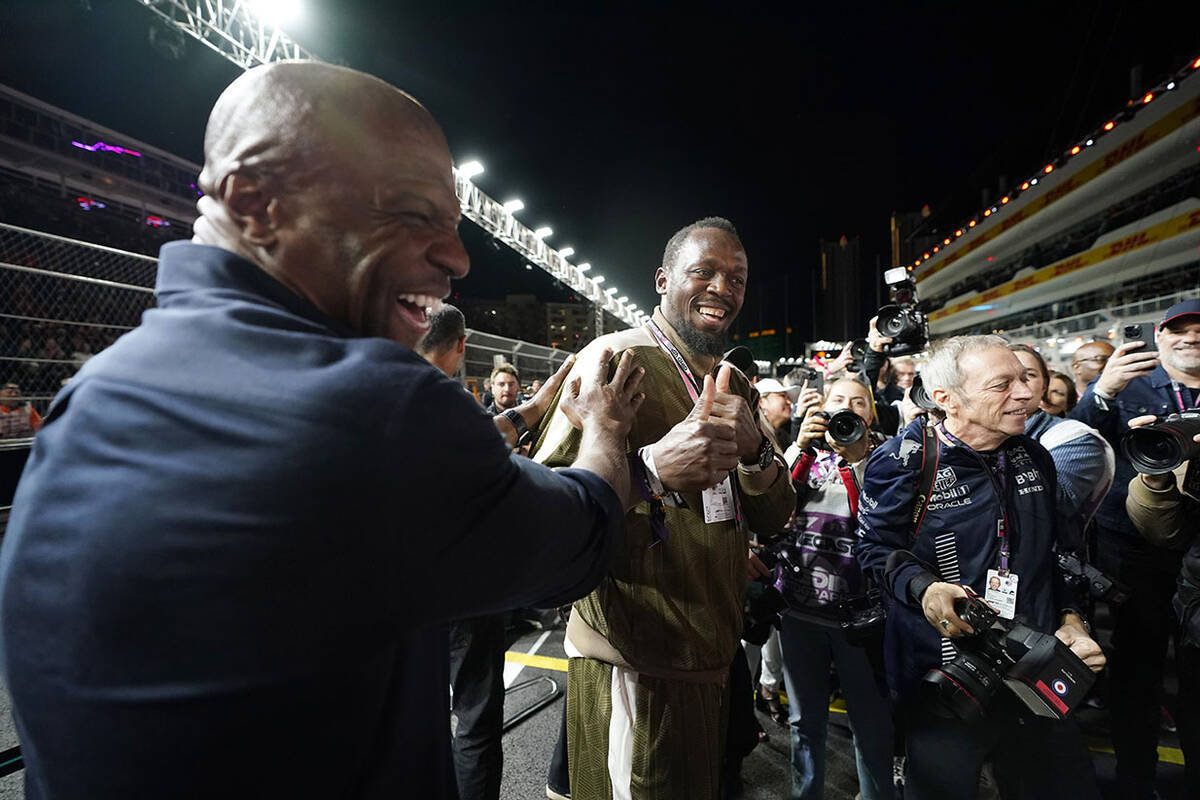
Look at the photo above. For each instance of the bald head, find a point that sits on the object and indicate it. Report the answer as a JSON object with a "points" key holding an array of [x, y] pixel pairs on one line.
{"points": [[1088, 361], [283, 121], [338, 185]]}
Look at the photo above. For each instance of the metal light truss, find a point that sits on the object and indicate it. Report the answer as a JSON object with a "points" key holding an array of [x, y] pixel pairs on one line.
{"points": [[233, 29]]}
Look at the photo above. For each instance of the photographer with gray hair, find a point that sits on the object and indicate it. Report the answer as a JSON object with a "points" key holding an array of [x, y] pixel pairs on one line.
{"points": [[987, 510]]}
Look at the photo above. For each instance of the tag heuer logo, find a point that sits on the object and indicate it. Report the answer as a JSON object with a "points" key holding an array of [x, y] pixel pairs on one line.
{"points": [[945, 479]]}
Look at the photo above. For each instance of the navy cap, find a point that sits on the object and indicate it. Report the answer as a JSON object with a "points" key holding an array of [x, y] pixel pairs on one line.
{"points": [[1181, 310]]}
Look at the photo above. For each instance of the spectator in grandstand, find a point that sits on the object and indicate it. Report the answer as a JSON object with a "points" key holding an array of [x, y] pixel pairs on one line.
{"points": [[264, 506], [1061, 396], [446, 341], [652, 646], [506, 388], [1082, 458], [822, 595], [1135, 384], [535, 386], [1088, 361], [18, 419], [954, 546], [486, 399]]}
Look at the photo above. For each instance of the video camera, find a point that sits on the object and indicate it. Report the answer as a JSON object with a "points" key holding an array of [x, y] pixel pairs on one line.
{"points": [[901, 319], [1039, 669], [1160, 447]]}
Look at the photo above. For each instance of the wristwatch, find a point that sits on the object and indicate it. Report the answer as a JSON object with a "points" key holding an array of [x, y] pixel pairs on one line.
{"points": [[518, 422], [766, 454]]}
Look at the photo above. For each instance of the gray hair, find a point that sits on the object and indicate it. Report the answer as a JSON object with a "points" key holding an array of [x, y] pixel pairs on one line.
{"points": [[941, 370]]}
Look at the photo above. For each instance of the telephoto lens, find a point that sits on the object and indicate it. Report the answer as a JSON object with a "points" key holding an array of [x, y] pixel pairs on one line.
{"points": [[920, 395], [844, 426], [1162, 446]]}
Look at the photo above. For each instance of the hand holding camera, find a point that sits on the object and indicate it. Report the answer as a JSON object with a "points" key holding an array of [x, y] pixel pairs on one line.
{"points": [[1156, 448]]}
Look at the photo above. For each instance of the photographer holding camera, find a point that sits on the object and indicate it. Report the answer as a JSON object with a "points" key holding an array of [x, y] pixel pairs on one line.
{"points": [[1164, 508], [1135, 382], [942, 511], [825, 591]]}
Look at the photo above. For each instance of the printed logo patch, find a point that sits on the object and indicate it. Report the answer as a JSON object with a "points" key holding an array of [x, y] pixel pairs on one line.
{"points": [[945, 479]]}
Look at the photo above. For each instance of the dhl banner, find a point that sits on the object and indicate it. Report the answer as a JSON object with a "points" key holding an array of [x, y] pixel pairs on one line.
{"points": [[1153, 133], [1135, 241]]}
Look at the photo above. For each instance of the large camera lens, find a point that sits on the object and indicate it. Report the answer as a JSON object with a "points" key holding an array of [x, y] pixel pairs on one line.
{"points": [[920, 396], [895, 321], [1161, 447], [846, 427]]}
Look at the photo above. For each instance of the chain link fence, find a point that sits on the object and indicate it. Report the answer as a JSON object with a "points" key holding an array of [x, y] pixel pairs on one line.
{"points": [[61, 302]]}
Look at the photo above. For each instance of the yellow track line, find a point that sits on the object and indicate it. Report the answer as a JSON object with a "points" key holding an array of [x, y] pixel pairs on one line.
{"points": [[1168, 755]]}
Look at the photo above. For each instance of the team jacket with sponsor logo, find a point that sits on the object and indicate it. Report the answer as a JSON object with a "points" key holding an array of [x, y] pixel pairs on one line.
{"points": [[957, 541]]}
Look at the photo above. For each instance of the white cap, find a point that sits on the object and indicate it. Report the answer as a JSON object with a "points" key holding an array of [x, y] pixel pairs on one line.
{"points": [[771, 386]]}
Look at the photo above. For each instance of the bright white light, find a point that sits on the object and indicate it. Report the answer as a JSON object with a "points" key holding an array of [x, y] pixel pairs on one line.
{"points": [[543, 232], [598, 279], [1089, 143], [529, 266], [584, 267], [623, 299], [470, 169], [633, 307], [566, 252], [277, 12], [610, 291], [513, 206], [1170, 86], [1033, 181]]}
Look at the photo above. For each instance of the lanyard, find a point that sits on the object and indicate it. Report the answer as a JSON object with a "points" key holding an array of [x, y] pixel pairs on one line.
{"points": [[1179, 398], [999, 484], [694, 388], [685, 372]]}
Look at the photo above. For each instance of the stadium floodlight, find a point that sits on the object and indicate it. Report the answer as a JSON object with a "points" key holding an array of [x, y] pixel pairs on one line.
{"points": [[566, 252], [633, 307], [470, 169], [598, 279], [513, 206], [584, 267], [623, 299], [543, 232], [277, 13], [610, 291]]}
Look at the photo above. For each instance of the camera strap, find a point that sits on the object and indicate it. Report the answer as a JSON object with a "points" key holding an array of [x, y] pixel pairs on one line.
{"points": [[930, 455]]}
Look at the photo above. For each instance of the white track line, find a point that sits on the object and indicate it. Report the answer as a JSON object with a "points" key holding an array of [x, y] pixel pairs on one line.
{"points": [[512, 668]]}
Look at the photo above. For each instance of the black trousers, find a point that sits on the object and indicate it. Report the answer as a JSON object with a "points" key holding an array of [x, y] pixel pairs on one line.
{"points": [[477, 680], [1032, 757], [1142, 628]]}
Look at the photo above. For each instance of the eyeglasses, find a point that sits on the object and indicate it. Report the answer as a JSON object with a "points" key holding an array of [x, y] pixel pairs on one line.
{"points": [[1097, 359]]}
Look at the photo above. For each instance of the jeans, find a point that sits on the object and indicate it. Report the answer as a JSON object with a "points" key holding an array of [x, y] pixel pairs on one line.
{"points": [[477, 679], [808, 652]]}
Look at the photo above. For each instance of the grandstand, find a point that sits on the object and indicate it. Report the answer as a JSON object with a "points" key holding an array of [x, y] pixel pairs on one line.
{"points": [[1107, 233]]}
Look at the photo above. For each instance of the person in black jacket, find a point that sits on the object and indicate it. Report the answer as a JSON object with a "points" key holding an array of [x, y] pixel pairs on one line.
{"points": [[991, 512]]}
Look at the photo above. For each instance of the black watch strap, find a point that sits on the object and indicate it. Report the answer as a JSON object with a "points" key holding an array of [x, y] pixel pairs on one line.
{"points": [[518, 422]]}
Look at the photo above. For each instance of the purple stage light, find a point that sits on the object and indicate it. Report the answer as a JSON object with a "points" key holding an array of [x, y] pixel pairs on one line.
{"points": [[108, 148]]}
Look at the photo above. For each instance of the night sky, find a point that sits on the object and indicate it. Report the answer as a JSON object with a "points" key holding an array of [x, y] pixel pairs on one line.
{"points": [[616, 125]]}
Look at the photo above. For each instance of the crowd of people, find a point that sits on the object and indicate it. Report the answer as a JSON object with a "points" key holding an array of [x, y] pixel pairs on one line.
{"points": [[269, 513]]}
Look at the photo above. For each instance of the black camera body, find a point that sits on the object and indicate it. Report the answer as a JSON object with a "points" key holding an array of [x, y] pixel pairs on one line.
{"points": [[901, 319], [1038, 668], [1081, 574], [844, 426], [1162, 446], [920, 395]]}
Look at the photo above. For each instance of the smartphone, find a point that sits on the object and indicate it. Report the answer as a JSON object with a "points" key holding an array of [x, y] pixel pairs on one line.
{"points": [[816, 380], [1138, 333]]}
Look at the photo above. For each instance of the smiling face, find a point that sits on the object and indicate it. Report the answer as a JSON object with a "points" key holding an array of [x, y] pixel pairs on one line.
{"points": [[777, 407], [993, 402], [1057, 396], [1179, 344], [703, 290], [382, 236]]}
